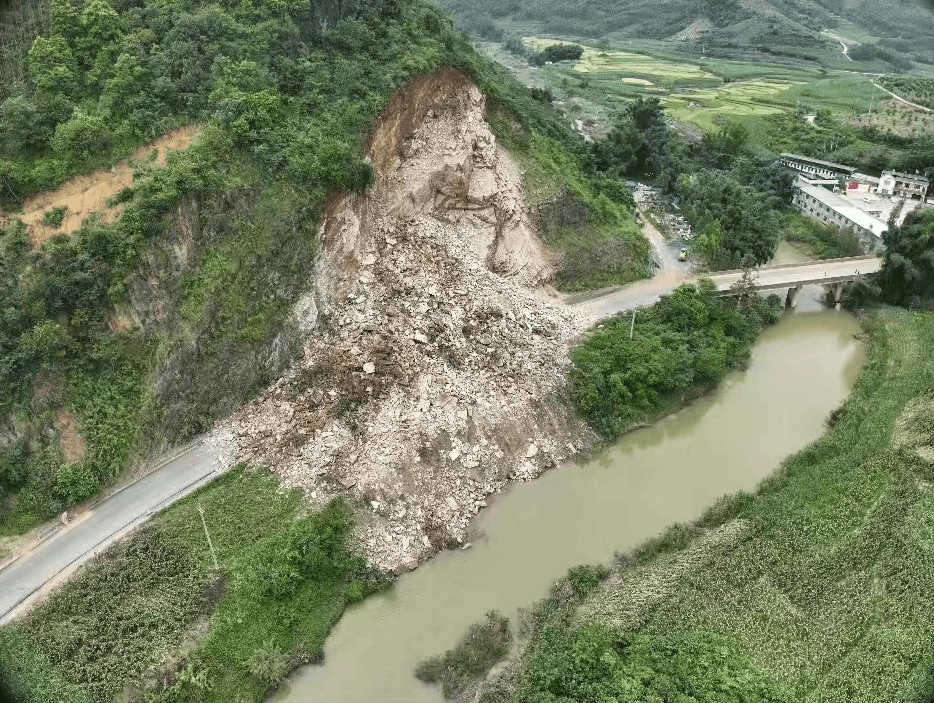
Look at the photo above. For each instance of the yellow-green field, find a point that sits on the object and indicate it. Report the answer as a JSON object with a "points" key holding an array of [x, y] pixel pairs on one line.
{"points": [[745, 99], [702, 93], [595, 61], [598, 61], [635, 81]]}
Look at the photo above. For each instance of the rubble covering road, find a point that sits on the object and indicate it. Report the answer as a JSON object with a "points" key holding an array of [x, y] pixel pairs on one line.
{"points": [[435, 372]]}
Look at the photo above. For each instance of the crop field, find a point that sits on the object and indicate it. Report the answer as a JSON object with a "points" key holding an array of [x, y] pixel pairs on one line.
{"points": [[595, 61], [702, 93], [734, 100]]}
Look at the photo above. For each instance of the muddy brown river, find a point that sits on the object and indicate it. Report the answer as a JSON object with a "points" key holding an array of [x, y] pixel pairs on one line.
{"points": [[801, 369]]}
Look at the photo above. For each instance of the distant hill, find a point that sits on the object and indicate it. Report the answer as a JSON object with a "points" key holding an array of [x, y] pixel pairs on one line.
{"points": [[901, 29]]}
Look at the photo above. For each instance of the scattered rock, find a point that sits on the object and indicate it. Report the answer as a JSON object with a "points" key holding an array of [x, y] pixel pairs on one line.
{"points": [[429, 428]]}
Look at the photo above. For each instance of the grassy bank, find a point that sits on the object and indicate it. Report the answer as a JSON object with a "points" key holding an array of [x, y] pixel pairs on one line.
{"points": [[154, 619], [815, 588], [819, 240]]}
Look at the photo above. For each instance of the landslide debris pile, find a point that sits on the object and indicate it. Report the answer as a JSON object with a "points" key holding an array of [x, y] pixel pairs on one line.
{"points": [[435, 374]]}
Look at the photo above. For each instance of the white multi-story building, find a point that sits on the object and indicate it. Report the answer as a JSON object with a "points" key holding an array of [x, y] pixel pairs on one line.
{"points": [[833, 209], [816, 168], [903, 185]]}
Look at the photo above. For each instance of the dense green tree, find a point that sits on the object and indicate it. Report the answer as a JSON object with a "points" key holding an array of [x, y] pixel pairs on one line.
{"points": [[750, 222], [638, 142], [689, 339], [720, 148], [26, 129], [908, 270], [52, 66]]}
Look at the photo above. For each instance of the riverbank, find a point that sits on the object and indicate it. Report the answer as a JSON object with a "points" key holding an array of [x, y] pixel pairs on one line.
{"points": [[168, 615], [800, 370], [821, 578]]}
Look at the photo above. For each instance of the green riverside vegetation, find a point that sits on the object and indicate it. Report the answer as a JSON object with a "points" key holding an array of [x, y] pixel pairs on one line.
{"points": [[680, 347], [152, 618], [820, 240], [823, 594], [485, 644]]}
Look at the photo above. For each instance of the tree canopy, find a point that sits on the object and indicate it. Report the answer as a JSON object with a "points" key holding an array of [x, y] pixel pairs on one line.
{"points": [[908, 270]]}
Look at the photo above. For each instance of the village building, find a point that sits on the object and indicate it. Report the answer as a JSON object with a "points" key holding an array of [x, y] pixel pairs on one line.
{"points": [[817, 168], [836, 210], [904, 185]]}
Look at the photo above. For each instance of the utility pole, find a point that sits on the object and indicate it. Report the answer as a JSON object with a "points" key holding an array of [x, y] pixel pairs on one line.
{"points": [[872, 101], [632, 326], [206, 534]]}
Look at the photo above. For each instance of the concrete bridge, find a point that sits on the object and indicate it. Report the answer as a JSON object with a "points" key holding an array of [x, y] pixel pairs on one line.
{"points": [[833, 274]]}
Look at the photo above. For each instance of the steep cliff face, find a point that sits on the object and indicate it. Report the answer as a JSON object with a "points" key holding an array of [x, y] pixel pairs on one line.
{"points": [[436, 156], [205, 367], [436, 372]]}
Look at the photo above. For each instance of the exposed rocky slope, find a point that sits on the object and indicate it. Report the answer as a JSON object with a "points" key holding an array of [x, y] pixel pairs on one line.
{"points": [[436, 372]]}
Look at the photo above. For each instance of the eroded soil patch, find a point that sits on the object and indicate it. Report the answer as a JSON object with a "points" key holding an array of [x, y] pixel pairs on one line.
{"points": [[83, 196]]}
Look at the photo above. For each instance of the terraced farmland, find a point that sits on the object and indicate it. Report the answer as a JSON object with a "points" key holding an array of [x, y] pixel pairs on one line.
{"points": [[734, 100]]}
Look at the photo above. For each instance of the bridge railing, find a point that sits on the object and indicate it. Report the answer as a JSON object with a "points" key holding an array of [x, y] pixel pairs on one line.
{"points": [[866, 257]]}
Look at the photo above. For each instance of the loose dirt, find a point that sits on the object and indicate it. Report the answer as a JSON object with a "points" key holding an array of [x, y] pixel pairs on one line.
{"points": [[85, 195], [437, 372], [73, 444]]}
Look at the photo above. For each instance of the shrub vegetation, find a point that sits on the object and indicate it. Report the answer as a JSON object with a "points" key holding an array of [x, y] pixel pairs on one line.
{"points": [[823, 241], [914, 89], [680, 346], [485, 644], [54, 217]]}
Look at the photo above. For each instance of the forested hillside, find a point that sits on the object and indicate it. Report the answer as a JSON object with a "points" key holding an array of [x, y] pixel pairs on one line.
{"points": [[140, 332], [786, 26]]}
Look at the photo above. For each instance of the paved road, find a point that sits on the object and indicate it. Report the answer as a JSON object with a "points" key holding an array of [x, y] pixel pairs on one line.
{"points": [[61, 553], [775, 278]]}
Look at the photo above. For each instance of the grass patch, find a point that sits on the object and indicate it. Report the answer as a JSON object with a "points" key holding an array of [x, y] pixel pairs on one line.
{"points": [[485, 644], [285, 577], [55, 216]]}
